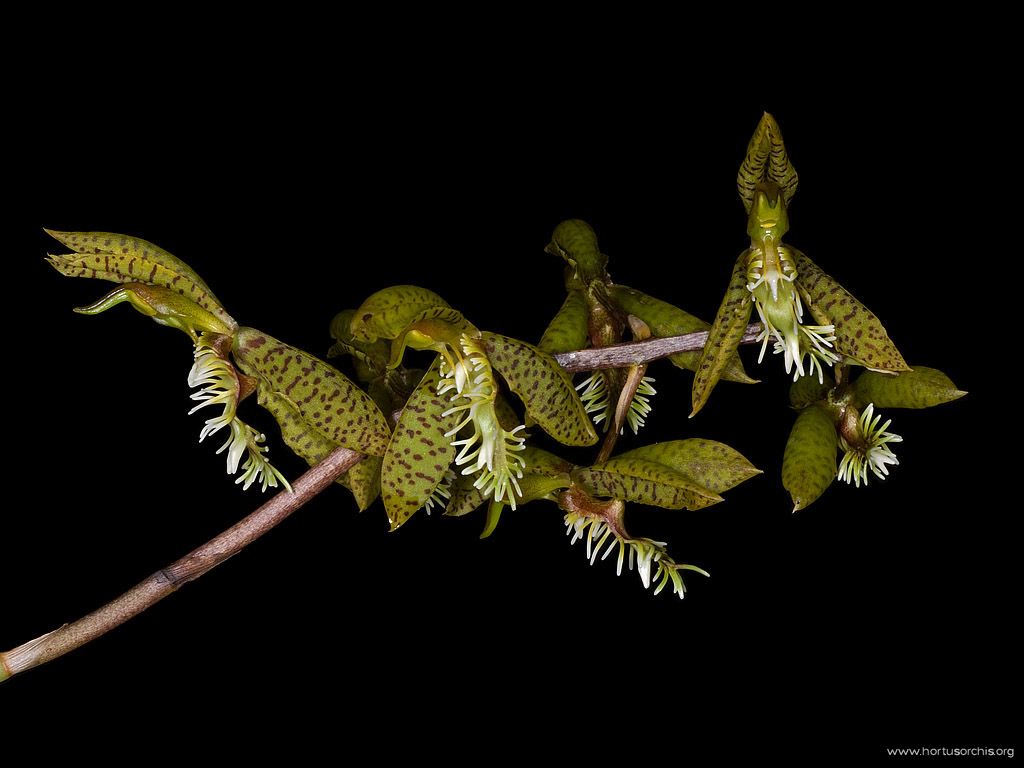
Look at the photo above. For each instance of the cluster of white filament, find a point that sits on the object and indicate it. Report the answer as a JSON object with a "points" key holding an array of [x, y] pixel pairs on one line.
{"points": [[491, 450], [646, 552], [873, 452], [796, 340], [594, 395], [218, 384]]}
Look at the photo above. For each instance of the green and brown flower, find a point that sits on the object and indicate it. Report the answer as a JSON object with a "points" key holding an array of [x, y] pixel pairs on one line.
{"points": [[456, 416], [317, 408], [786, 287], [844, 419], [597, 312]]}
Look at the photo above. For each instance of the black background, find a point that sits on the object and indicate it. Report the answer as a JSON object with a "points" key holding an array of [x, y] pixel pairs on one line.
{"points": [[877, 616]]}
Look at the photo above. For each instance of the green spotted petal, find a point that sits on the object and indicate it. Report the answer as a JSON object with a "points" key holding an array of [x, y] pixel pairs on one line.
{"points": [[540, 462], [666, 320], [724, 336], [544, 387], [920, 388], [766, 160], [807, 390], [364, 481], [707, 463], [860, 336], [371, 354], [465, 498], [576, 242], [419, 454], [385, 314], [646, 482], [305, 440], [325, 398], [809, 464], [568, 331], [310, 444], [430, 329], [124, 259]]}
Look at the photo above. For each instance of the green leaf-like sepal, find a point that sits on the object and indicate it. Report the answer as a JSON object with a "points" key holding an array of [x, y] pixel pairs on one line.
{"points": [[860, 335], [544, 387], [364, 481], [576, 242], [809, 464], [534, 487], [124, 259], [494, 510], [385, 314], [465, 497], [807, 390], [706, 463], [920, 388], [312, 445], [766, 161], [724, 336], [543, 474], [324, 397], [419, 454], [568, 331], [666, 320], [544, 463], [537, 486], [646, 482]]}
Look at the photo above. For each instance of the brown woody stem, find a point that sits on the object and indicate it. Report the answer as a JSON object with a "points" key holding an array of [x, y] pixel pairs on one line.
{"points": [[638, 352], [232, 541], [190, 567], [634, 376]]}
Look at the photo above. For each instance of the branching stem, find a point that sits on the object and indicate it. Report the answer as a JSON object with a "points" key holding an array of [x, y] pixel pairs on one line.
{"points": [[232, 541]]}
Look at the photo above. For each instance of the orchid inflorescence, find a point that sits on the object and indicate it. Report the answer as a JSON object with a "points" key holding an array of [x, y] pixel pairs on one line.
{"points": [[448, 435]]}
